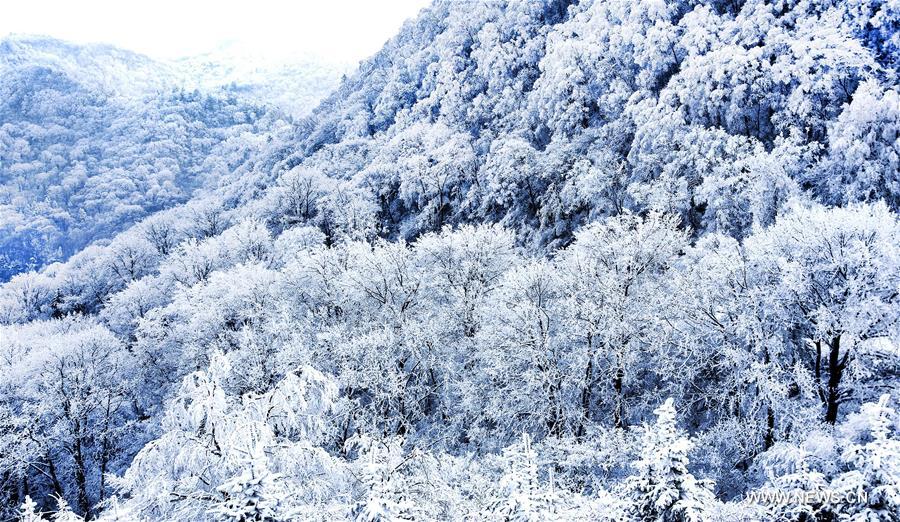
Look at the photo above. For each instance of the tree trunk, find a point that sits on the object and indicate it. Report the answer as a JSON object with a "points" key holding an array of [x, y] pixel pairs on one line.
{"points": [[836, 365], [554, 421], [84, 504], [586, 391], [821, 391], [769, 439], [54, 478], [619, 407], [105, 449]]}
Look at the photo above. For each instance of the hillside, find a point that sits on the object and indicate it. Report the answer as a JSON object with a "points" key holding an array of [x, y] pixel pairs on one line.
{"points": [[102, 67], [579, 260], [94, 138], [554, 115]]}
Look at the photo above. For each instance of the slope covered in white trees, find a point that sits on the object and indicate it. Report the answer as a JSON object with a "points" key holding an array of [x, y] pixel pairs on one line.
{"points": [[589, 260], [93, 139]]}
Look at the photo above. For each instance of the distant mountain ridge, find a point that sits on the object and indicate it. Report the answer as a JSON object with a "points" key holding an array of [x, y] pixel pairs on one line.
{"points": [[296, 84], [100, 65], [293, 84]]}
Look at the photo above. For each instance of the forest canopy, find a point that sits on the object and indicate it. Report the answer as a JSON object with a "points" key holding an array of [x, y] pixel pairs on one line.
{"points": [[557, 260]]}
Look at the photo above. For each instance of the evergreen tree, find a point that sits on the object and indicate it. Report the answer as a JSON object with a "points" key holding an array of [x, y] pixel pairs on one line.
{"points": [[523, 498], [64, 513], [663, 489], [251, 496], [870, 489], [28, 511], [387, 495]]}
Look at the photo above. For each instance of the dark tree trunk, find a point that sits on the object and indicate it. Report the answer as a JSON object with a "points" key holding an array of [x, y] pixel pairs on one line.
{"points": [[54, 478], [769, 439], [105, 449], [836, 365], [819, 371], [619, 407], [554, 421], [84, 504]]}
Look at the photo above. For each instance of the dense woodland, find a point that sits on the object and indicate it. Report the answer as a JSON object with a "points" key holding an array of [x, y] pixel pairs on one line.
{"points": [[94, 139], [590, 260]]}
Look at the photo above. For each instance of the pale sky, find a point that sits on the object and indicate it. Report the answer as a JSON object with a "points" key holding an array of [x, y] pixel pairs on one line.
{"points": [[337, 30]]}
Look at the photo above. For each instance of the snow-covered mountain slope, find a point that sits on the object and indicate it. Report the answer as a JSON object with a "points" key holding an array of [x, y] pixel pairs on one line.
{"points": [[94, 138], [579, 260], [99, 66], [543, 116]]}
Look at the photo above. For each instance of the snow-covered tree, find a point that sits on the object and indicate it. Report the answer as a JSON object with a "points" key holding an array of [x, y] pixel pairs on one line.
{"points": [[68, 386], [846, 473], [871, 487], [249, 458], [837, 268], [522, 496], [615, 303], [663, 488], [28, 511]]}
